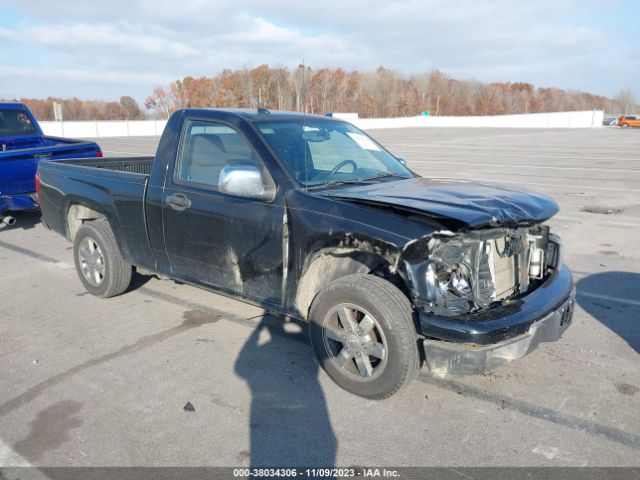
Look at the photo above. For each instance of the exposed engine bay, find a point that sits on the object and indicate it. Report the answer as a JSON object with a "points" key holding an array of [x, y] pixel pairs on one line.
{"points": [[453, 274]]}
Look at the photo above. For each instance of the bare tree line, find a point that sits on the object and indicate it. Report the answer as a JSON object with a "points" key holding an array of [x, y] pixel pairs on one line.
{"points": [[383, 93], [75, 109]]}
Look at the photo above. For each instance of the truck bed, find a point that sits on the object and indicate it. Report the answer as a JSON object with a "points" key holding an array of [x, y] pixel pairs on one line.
{"points": [[116, 185], [141, 165]]}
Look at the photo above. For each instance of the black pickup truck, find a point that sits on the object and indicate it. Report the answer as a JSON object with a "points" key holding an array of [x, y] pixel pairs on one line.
{"points": [[311, 218]]}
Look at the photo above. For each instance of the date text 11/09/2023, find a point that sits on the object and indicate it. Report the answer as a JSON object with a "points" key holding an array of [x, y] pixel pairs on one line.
{"points": [[315, 472]]}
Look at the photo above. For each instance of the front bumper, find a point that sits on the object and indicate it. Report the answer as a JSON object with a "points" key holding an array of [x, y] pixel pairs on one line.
{"points": [[477, 343]]}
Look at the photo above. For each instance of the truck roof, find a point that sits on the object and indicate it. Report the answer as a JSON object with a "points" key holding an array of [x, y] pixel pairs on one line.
{"points": [[12, 105], [260, 113]]}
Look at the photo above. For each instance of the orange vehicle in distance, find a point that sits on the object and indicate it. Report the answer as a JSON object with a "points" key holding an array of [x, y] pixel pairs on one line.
{"points": [[629, 121]]}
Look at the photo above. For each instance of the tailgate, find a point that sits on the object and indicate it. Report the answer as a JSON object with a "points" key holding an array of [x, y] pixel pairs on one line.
{"points": [[18, 167]]}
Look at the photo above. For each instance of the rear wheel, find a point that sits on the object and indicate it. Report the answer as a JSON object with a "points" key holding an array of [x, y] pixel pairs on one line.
{"points": [[362, 331], [101, 268]]}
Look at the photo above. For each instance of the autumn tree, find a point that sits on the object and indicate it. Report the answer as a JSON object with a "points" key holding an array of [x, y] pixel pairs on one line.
{"points": [[159, 103], [131, 108]]}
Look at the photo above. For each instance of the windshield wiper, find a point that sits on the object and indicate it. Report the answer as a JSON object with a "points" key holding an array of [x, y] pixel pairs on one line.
{"points": [[380, 175], [333, 184], [354, 181]]}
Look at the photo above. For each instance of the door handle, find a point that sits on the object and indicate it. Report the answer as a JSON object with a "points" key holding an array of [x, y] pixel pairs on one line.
{"points": [[178, 201]]}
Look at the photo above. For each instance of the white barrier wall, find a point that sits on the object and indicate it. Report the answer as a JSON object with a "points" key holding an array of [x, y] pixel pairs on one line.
{"points": [[114, 128], [581, 119], [105, 128]]}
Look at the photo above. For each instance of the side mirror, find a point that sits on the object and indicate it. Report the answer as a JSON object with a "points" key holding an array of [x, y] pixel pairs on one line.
{"points": [[402, 160], [245, 181]]}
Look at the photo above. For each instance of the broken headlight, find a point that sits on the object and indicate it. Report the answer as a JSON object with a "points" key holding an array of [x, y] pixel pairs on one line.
{"points": [[444, 285], [441, 278]]}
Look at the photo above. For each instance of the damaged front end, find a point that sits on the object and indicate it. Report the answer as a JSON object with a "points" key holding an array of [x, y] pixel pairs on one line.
{"points": [[480, 290], [455, 274]]}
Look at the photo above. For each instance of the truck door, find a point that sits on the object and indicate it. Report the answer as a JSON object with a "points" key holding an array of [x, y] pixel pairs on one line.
{"points": [[211, 238]]}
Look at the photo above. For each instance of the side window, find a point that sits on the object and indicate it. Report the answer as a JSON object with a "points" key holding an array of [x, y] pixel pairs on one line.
{"points": [[207, 148]]}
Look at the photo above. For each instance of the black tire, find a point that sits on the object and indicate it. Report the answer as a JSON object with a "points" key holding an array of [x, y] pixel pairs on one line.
{"points": [[389, 309], [105, 258], [625, 125]]}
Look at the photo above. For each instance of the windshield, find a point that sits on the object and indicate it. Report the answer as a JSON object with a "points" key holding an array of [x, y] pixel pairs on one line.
{"points": [[15, 121], [335, 152]]}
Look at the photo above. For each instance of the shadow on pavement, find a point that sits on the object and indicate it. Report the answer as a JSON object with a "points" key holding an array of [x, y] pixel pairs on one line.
{"points": [[289, 421], [138, 280], [621, 318]]}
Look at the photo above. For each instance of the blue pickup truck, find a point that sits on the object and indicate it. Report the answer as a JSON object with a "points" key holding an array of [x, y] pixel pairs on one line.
{"points": [[22, 146]]}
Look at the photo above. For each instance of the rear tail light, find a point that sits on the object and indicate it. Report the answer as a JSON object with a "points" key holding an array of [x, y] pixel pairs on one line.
{"points": [[38, 188], [99, 153]]}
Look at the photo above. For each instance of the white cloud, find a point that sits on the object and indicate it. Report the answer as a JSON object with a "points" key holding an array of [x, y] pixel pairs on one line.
{"points": [[506, 40], [112, 38], [80, 75]]}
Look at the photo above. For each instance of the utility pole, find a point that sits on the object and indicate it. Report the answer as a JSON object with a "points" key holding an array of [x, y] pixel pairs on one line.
{"points": [[57, 114], [279, 97]]}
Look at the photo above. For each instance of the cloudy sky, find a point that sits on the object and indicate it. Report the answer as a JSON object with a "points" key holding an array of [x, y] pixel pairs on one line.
{"points": [[104, 49]]}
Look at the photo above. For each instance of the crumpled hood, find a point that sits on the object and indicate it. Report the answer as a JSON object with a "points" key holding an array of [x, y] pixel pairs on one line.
{"points": [[458, 203]]}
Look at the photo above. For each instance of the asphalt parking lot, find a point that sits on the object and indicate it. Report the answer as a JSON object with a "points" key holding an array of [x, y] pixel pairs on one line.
{"points": [[104, 382]]}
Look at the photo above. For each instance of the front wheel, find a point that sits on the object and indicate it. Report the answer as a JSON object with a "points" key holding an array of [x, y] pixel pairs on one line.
{"points": [[99, 264], [625, 125], [362, 331]]}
